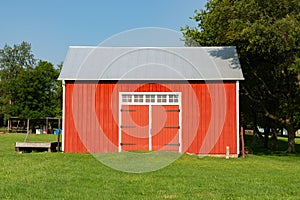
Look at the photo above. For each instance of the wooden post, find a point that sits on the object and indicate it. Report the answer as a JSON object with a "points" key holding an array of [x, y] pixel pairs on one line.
{"points": [[28, 132], [58, 137], [47, 124], [27, 126], [227, 152], [8, 126], [243, 143]]}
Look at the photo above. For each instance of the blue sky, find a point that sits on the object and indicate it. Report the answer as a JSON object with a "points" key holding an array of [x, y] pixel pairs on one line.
{"points": [[53, 25]]}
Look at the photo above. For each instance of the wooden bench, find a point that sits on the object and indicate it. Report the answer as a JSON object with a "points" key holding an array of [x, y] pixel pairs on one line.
{"points": [[38, 146]]}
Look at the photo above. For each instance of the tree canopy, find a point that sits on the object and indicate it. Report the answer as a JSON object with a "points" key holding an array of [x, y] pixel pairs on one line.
{"points": [[29, 87], [266, 34]]}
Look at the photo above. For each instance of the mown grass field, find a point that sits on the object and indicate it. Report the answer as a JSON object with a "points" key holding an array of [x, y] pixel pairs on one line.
{"points": [[80, 176]]}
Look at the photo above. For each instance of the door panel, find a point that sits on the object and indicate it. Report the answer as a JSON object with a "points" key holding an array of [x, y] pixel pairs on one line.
{"points": [[165, 128], [135, 127]]}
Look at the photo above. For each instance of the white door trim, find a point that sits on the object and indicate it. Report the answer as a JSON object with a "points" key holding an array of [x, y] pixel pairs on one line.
{"points": [[150, 127]]}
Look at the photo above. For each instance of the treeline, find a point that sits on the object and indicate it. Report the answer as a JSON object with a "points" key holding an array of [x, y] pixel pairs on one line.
{"points": [[29, 87], [267, 36]]}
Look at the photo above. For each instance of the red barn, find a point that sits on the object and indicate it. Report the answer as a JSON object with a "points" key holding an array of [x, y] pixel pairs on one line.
{"points": [[182, 99]]}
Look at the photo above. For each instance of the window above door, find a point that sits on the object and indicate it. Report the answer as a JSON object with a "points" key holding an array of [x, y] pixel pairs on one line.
{"points": [[146, 98]]}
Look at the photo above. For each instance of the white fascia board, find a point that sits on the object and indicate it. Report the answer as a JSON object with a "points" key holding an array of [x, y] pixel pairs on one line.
{"points": [[238, 117]]}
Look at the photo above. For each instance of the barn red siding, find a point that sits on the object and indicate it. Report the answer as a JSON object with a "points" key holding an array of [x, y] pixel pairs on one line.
{"points": [[165, 123], [135, 128], [208, 115]]}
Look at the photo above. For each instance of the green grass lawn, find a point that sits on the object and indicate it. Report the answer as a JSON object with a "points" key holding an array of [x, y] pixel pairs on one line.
{"points": [[81, 176]]}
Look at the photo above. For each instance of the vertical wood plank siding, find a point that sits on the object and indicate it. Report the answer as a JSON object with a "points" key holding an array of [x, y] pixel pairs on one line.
{"points": [[208, 114], [165, 128], [135, 129]]}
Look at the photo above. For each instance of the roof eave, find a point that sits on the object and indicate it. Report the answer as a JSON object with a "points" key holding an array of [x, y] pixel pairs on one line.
{"points": [[209, 79]]}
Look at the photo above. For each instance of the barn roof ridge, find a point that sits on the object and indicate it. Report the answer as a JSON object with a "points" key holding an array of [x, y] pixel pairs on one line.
{"points": [[151, 63], [141, 47]]}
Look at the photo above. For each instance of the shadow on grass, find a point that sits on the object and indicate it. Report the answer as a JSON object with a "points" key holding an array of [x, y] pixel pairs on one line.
{"points": [[256, 147], [137, 161]]}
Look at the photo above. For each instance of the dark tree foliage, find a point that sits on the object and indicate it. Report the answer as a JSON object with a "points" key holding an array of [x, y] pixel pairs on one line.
{"points": [[13, 61], [29, 89], [36, 92], [266, 34]]}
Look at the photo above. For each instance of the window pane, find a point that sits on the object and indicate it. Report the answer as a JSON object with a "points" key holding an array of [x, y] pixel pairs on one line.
{"points": [[159, 97], [147, 98], [138, 98], [141, 98], [150, 98], [164, 98], [171, 98], [175, 98], [126, 98]]}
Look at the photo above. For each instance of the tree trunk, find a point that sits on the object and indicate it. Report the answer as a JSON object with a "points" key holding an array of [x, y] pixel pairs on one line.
{"points": [[254, 137], [291, 140], [274, 145], [266, 139], [267, 132], [256, 132]]}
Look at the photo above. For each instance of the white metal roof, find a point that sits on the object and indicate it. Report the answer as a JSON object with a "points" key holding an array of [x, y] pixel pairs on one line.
{"points": [[151, 63]]}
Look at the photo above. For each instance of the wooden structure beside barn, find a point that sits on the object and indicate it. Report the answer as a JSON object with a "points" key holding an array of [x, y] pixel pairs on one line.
{"points": [[41, 125], [182, 99], [38, 146]]}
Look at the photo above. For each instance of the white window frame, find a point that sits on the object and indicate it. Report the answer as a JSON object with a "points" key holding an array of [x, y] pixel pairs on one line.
{"points": [[144, 99]]}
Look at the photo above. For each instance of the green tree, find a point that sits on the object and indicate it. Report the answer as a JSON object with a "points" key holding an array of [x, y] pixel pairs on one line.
{"points": [[266, 34], [29, 90], [36, 92], [58, 93], [13, 61]]}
